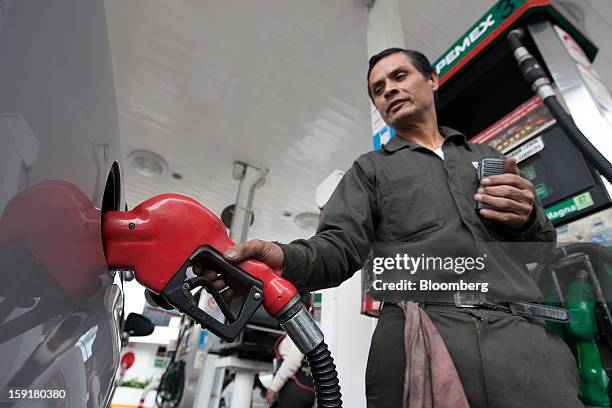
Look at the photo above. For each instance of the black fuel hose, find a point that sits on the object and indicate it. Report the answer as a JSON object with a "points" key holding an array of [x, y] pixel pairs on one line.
{"points": [[535, 75], [324, 377], [599, 252], [308, 338]]}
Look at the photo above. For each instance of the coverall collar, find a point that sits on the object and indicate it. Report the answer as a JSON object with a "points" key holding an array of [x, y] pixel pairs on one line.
{"points": [[398, 143]]}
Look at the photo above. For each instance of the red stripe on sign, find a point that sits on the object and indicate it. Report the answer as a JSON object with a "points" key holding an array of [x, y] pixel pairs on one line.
{"points": [[507, 121], [493, 35]]}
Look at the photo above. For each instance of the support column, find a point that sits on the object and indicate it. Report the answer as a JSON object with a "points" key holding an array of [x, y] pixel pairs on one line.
{"points": [[243, 388], [384, 30], [213, 369], [250, 178], [245, 377]]}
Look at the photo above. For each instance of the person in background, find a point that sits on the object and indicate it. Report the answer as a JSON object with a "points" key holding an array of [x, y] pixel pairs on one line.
{"points": [[292, 385]]}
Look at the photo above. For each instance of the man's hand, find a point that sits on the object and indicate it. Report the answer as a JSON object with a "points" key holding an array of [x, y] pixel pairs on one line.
{"points": [[510, 195], [266, 252], [270, 396]]}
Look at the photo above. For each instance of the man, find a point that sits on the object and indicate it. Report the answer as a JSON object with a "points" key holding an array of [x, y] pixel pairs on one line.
{"points": [[420, 188]]}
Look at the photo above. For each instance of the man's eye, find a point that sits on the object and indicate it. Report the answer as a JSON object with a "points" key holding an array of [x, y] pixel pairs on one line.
{"points": [[377, 90], [400, 76]]}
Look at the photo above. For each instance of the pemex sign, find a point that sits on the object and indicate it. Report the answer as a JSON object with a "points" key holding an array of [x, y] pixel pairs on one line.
{"points": [[497, 19], [492, 19]]}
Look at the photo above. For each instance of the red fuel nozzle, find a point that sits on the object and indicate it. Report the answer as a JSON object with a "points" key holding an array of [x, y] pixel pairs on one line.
{"points": [[159, 240]]}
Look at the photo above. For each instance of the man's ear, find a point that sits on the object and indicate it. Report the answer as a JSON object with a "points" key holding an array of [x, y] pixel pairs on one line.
{"points": [[434, 80]]}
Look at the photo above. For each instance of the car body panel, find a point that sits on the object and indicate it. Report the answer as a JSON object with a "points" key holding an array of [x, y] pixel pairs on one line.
{"points": [[59, 141]]}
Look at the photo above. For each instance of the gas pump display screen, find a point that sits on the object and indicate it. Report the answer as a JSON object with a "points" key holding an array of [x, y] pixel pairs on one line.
{"points": [[557, 171], [567, 187]]}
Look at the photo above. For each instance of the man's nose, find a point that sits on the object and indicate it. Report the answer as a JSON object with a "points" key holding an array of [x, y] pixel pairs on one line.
{"points": [[390, 91]]}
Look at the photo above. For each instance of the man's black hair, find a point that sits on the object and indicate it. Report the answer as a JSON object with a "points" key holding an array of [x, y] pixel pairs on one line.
{"points": [[418, 59]]}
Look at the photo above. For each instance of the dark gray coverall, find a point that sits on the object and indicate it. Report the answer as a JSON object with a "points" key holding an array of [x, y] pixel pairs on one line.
{"points": [[406, 193]]}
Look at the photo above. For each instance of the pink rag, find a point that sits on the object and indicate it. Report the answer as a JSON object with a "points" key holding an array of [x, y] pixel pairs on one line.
{"points": [[431, 379]]}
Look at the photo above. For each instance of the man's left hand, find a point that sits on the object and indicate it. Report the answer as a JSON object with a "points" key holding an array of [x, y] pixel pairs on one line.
{"points": [[511, 197]]}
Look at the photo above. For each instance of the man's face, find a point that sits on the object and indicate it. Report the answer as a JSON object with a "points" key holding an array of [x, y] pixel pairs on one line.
{"points": [[400, 92]]}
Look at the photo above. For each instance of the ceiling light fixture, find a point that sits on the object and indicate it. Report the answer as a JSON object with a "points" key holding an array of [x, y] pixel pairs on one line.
{"points": [[147, 163], [307, 220]]}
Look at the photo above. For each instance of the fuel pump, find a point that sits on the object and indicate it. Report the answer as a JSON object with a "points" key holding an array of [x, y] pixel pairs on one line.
{"points": [[525, 70], [160, 239], [540, 83], [578, 277]]}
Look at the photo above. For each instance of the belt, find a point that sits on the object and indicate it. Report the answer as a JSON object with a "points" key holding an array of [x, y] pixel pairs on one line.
{"points": [[478, 300]]}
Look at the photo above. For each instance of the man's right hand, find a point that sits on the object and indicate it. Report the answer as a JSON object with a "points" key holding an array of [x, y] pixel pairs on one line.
{"points": [[267, 252]]}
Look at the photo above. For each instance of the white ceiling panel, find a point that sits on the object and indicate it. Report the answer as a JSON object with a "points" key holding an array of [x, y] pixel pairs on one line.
{"points": [[277, 84]]}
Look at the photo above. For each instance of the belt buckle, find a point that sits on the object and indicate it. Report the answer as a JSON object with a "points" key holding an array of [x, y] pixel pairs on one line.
{"points": [[469, 299]]}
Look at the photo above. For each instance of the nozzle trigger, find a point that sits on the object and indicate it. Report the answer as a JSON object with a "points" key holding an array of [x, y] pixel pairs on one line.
{"points": [[178, 293]]}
